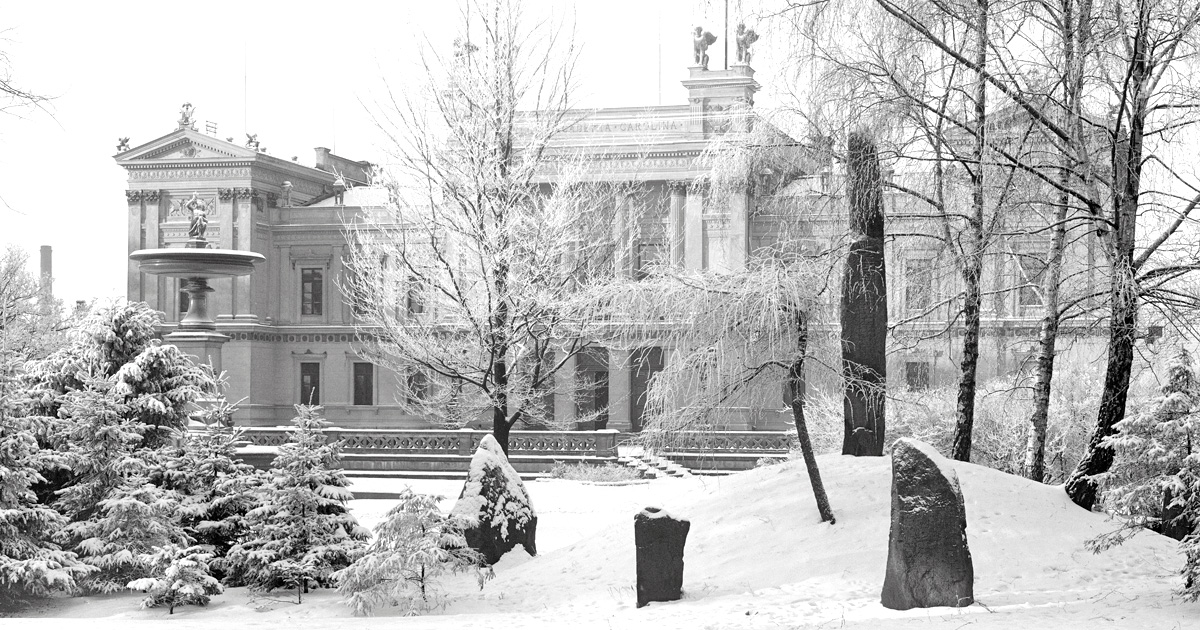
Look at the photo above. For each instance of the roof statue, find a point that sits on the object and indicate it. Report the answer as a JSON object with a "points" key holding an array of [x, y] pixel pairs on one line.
{"points": [[252, 141], [187, 119], [123, 144], [287, 194], [745, 38], [701, 40], [339, 190]]}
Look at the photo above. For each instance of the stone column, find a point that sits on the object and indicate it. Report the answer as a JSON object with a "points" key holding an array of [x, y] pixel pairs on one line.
{"points": [[737, 236], [622, 237], [135, 279], [244, 222], [564, 394], [619, 404], [287, 307], [675, 223], [693, 227], [334, 294], [156, 289]]}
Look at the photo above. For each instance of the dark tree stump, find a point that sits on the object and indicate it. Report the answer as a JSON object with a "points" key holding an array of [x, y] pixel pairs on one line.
{"points": [[864, 313], [929, 563], [659, 538]]}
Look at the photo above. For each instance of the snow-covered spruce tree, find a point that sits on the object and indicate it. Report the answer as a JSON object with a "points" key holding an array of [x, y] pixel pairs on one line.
{"points": [[414, 547], [1151, 482], [123, 538], [1155, 479], [179, 577], [111, 392], [216, 490], [302, 531], [31, 564]]}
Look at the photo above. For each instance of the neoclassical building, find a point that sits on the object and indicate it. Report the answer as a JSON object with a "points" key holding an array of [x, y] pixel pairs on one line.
{"points": [[291, 334]]}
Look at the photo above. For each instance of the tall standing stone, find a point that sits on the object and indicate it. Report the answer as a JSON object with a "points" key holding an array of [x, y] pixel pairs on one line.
{"points": [[864, 302], [929, 563], [659, 538]]}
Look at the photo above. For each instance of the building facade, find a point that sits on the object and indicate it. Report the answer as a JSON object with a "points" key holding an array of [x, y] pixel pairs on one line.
{"points": [[291, 333]]}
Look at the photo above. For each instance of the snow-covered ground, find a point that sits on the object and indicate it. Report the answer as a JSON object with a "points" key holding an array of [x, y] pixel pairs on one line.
{"points": [[756, 557]]}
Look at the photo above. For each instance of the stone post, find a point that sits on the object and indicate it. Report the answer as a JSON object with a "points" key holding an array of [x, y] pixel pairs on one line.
{"points": [[659, 539]]}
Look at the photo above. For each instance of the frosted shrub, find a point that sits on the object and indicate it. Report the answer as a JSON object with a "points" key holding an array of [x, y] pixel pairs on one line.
{"points": [[179, 577], [414, 547], [1002, 411]]}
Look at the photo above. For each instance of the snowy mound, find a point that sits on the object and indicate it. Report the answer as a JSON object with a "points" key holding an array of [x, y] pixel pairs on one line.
{"points": [[757, 556]]}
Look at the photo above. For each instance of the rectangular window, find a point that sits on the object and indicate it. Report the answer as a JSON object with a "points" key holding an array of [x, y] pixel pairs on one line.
{"points": [[312, 291], [310, 383], [916, 375], [1031, 271], [185, 302], [918, 285], [364, 384], [418, 387], [415, 298]]}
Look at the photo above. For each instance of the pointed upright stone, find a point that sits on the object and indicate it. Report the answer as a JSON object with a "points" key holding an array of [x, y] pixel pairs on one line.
{"points": [[929, 563]]}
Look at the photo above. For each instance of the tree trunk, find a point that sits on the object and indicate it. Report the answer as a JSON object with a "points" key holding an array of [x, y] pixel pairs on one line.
{"points": [[795, 380], [864, 304], [1035, 449], [972, 262], [1122, 327], [1075, 35]]}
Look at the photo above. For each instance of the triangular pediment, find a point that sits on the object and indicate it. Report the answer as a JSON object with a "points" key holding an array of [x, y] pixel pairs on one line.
{"points": [[185, 144]]}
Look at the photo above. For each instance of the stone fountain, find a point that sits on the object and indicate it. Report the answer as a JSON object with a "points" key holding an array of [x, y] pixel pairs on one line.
{"points": [[195, 263]]}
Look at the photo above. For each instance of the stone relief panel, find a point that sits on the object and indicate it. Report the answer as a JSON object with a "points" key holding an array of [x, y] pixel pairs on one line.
{"points": [[178, 205]]}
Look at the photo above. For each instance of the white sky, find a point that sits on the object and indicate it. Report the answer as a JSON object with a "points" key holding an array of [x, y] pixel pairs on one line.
{"points": [[123, 69]]}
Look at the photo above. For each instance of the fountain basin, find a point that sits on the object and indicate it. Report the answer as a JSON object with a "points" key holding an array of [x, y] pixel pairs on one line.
{"points": [[196, 263]]}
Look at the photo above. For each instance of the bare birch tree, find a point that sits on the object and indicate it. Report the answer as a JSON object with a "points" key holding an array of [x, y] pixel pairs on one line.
{"points": [[458, 284]]}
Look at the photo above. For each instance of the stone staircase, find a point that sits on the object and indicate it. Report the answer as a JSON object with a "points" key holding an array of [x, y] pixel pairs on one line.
{"points": [[650, 466]]}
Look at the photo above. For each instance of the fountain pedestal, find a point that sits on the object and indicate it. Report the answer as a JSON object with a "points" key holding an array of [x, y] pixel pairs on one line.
{"points": [[197, 333]]}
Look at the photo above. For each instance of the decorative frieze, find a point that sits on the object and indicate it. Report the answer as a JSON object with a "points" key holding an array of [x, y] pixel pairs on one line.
{"points": [[225, 194], [138, 194], [184, 174]]}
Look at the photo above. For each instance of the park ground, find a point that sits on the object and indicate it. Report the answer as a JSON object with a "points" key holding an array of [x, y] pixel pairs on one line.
{"points": [[757, 557]]}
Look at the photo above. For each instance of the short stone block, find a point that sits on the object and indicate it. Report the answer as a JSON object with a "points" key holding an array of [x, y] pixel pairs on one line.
{"points": [[659, 538]]}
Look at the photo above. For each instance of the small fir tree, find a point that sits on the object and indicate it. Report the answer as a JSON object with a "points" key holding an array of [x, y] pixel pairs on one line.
{"points": [[216, 489], [302, 531], [123, 538], [414, 547], [179, 577]]}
